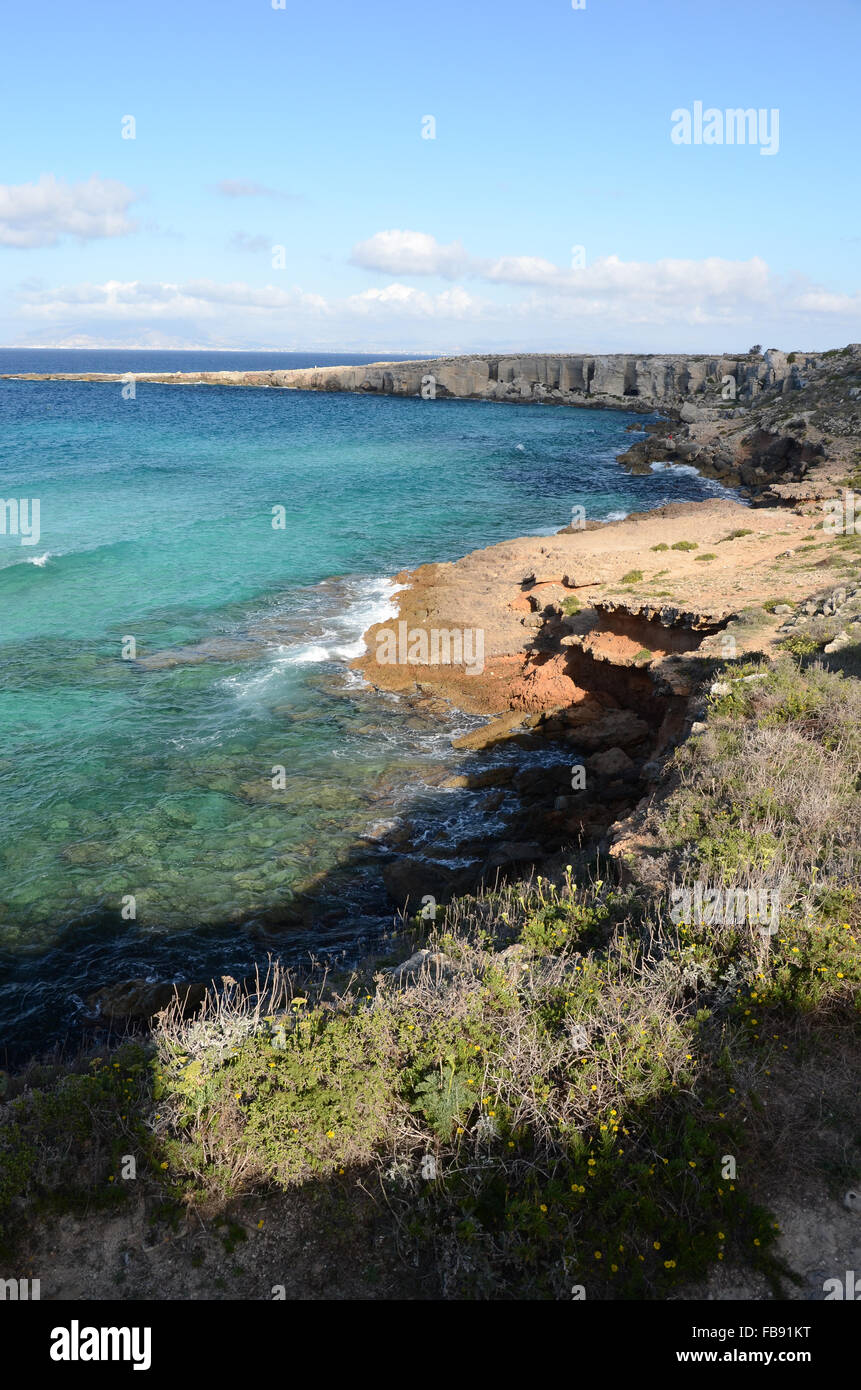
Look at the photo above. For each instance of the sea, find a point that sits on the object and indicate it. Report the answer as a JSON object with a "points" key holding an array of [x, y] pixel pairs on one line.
{"points": [[187, 759]]}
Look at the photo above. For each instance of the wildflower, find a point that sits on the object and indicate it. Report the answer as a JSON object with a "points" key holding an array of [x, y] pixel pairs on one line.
{"points": [[656, 1245], [597, 1254]]}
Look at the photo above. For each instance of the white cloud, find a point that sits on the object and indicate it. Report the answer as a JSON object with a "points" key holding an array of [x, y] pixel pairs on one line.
{"points": [[610, 305], [39, 214], [246, 188], [116, 299], [244, 241], [410, 253], [404, 299]]}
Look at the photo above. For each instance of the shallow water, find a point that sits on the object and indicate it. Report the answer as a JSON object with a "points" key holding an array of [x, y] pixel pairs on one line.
{"points": [[156, 524]]}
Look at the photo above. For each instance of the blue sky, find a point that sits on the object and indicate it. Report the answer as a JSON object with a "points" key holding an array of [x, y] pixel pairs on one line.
{"points": [[301, 128]]}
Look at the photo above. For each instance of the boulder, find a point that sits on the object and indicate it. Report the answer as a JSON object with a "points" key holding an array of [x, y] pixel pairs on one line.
{"points": [[143, 999], [610, 763]]}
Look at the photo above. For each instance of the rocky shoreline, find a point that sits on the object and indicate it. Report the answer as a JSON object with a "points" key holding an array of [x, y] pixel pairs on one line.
{"points": [[597, 642], [598, 646], [778, 426]]}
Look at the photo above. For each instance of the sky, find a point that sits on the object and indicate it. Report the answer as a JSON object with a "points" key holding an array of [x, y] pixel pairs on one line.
{"points": [[462, 176]]}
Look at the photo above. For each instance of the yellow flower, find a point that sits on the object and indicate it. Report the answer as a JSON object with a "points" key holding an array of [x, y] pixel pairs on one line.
{"points": [[260, 1225], [597, 1254], [164, 1165], [544, 1208], [656, 1245]]}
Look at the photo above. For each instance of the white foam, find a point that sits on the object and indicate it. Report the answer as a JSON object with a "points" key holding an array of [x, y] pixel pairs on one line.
{"points": [[712, 485], [40, 561], [675, 468], [616, 516], [342, 638]]}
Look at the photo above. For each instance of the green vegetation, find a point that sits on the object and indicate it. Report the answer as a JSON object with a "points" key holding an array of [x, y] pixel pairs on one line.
{"points": [[551, 1102], [736, 534], [571, 605], [708, 556], [801, 644], [772, 603], [684, 545], [662, 546], [632, 577]]}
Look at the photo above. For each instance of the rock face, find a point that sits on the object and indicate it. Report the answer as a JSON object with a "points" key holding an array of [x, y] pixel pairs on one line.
{"points": [[781, 427], [648, 382]]}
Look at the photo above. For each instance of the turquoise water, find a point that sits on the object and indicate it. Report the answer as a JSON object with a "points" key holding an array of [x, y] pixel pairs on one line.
{"points": [[122, 778]]}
